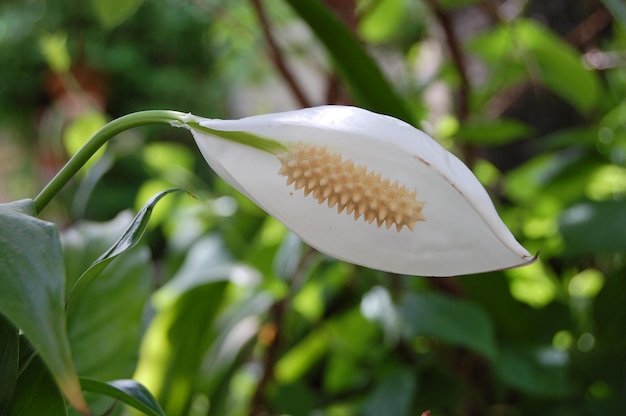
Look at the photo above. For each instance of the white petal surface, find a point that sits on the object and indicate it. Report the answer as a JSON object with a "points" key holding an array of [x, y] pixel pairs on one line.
{"points": [[462, 232]]}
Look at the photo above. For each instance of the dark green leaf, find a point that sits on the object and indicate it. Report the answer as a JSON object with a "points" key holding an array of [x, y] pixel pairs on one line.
{"points": [[594, 228], [540, 372], [129, 239], [454, 321], [296, 398], [32, 283], [36, 393], [9, 356], [128, 391], [106, 351], [358, 70], [393, 395]]}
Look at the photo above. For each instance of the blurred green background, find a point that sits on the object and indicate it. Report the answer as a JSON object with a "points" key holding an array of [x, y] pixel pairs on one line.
{"points": [[222, 310]]}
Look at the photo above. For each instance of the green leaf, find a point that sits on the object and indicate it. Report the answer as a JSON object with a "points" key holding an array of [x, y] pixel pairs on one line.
{"points": [[128, 391], [539, 372], [393, 395], [493, 132], [525, 47], [32, 283], [80, 130], [36, 393], [383, 20], [357, 69], [454, 321], [594, 228], [182, 329], [106, 352], [9, 357], [129, 239], [111, 13]]}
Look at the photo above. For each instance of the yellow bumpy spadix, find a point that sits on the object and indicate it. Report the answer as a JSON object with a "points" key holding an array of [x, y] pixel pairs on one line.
{"points": [[351, 187]]}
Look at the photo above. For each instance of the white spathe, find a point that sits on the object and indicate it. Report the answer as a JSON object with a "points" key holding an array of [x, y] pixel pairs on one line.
{"points": [[461, 232]]}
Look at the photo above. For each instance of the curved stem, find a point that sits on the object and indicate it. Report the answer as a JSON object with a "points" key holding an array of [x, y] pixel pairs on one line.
{"points": [[98, 140]]}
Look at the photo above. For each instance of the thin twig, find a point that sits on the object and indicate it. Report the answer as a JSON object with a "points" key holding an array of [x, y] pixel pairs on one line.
{"points": [[458, 60], [277, 56]]}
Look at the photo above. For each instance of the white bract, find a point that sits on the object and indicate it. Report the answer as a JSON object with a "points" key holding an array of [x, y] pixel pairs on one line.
{"points": [[364, 188]]}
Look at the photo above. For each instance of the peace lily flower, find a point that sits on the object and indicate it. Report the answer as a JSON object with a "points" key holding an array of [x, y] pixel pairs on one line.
{"points": [[362, 187]]}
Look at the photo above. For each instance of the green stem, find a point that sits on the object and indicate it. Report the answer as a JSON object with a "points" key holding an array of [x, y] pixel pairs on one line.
{"points": [[98, 140]]}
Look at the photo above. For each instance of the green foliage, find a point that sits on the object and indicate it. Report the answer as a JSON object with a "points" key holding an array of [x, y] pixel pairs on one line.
{"points": [[32, 290], [359, 71], [208, 306]]}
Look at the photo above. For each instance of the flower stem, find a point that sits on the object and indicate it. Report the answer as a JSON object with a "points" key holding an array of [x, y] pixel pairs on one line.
{"points": [[98, 140]]}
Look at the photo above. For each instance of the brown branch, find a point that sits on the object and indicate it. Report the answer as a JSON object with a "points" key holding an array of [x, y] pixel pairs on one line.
{"points": [[458, 60], [277, 57]]}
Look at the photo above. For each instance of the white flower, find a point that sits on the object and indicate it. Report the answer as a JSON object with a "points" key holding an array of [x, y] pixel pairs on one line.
{"points": [[362, 187]]}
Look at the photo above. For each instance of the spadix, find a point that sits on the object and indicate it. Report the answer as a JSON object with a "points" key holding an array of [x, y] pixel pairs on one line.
{"points": [[362, 187]]}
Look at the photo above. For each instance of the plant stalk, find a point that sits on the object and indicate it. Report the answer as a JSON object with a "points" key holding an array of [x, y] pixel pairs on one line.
{"points": [[98, 140]]}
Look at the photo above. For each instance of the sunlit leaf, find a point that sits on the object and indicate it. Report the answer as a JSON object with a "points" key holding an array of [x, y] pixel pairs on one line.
{"points": [[182, 329], [111, 13], [382, 20], [32, 283], [54, 49], [127, 391], [80, 130]]}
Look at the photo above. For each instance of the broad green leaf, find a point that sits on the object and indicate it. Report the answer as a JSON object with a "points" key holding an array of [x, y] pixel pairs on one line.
{"points": [[32, 283], [111, 13], [357, 69], [523, 47], [177, 338], [36, 393], [182, 329], [454, 321], [9, 357], [106, 351], [393, 395], [235, 328], [538, 372], [594, 228], [127, 391], [129, 239]]}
